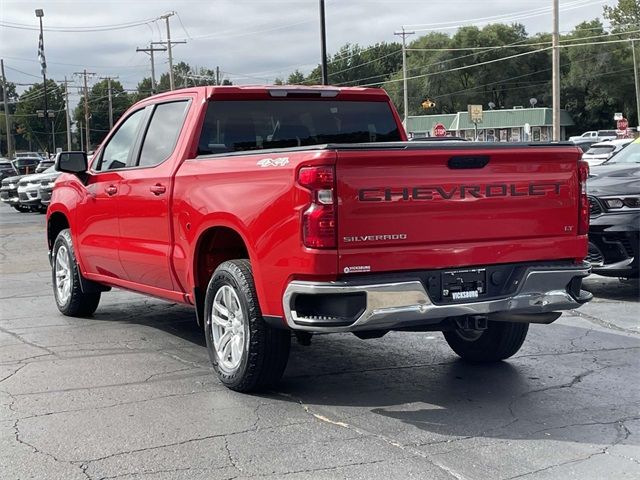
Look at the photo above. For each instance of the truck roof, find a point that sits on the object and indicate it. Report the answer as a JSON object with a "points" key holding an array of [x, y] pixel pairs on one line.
{"points": [[257, 92]]}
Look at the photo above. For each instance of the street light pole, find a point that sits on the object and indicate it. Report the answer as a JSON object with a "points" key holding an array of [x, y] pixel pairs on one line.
{"points": [[43, 65], [555, 68], [323, 45]]}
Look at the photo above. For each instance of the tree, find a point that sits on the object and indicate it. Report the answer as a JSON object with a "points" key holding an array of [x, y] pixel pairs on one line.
{"points": [[32, 127], [625, 16], [98, 100], [186, 76], [12, 97], [296, 78]]}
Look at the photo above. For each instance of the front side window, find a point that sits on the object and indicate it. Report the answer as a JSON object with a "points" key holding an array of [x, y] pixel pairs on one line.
{"points": [[117, 151], [261, 124], [163, 132]]}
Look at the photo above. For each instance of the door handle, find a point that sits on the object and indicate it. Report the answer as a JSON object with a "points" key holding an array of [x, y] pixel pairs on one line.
{"points": [[111, 190], [158, 189]]}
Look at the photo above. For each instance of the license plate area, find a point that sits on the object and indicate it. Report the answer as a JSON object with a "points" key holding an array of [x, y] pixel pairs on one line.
{"points": [[463, 285]]}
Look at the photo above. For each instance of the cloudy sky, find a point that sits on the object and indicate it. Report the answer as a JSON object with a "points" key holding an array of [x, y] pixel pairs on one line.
{"points": [[253, 41]]}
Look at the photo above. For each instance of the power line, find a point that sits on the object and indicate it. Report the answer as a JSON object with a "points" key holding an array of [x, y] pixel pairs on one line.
{"points": [[517, 44], [472, 65], [502, 18], [80, 29]]}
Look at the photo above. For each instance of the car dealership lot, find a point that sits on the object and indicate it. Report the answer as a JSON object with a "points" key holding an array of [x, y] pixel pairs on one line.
{"points": [[130, 393]]}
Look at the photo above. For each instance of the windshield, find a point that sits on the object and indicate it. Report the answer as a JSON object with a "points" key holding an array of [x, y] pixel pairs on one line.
{"points": [[262, 124], [629, 154], [600, 150]]}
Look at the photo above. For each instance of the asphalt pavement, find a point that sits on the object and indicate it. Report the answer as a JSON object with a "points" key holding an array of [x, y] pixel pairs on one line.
{"points": [[130, 394]]}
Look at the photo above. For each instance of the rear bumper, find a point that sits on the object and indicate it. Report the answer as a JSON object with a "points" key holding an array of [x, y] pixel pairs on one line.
{"points": [[406, 303]]}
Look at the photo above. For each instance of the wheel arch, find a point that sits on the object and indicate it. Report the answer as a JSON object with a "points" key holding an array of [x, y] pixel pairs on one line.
{"points": [[215, 244], [56, 222]]}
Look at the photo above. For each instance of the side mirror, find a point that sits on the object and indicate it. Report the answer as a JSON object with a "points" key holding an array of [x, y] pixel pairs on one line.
{"points": [[72, 162]]}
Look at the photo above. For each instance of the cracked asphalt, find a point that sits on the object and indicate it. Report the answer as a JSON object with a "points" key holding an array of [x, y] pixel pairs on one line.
{"points": [[129, 393]]}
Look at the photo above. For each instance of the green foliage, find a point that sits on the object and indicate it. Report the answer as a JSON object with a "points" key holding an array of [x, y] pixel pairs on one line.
{"points": [[625, 16], [296, 78], [353, 65], [33, 128], [98, 100], [453, 71]]}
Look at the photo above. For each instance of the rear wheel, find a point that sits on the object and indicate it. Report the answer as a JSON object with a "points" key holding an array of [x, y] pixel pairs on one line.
{"points": [[499, 341], [70, 299], [246, 353]]}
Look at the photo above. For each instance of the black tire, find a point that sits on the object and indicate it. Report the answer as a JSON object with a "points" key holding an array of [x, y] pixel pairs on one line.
{"points": [[499, 341], [265, 350], [78, 303]]}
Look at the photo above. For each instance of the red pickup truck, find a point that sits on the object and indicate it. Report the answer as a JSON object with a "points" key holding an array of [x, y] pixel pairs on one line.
{"points": [[304, 209]]}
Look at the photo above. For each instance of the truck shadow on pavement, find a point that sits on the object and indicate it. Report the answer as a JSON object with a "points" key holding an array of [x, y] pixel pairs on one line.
{"points": [[577, 394]]}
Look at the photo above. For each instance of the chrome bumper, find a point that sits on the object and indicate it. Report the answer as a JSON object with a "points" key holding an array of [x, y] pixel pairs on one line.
{"points": [[407, 303]]}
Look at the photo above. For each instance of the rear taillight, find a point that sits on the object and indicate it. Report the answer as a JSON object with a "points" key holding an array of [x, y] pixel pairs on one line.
{"points": [[319, 219], [583, 205]]}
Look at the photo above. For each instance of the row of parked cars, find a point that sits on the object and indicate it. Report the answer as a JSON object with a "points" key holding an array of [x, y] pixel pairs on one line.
{"points": [[27, 181]]}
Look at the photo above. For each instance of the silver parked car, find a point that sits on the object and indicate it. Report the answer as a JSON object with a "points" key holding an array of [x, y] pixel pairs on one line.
{"points": [[603, 151], [29, 189]]}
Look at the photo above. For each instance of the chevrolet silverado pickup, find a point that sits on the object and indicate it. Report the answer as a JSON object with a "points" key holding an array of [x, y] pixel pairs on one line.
{"points": [[280, 210]]}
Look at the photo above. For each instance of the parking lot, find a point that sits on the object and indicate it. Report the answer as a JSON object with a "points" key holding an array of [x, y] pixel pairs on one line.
{"points": [[130, 393]]}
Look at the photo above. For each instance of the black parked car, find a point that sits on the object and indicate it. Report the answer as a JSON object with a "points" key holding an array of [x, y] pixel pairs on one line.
{"points": [[26, 165], [614, 198]]}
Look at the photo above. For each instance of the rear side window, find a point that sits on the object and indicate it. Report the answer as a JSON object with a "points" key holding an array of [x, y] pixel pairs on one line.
{"points": [[600, 150], [163, 131], [261, 124]]}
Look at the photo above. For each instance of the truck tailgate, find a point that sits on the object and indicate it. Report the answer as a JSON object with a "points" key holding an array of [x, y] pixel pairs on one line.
{"points": [[448, 207]]}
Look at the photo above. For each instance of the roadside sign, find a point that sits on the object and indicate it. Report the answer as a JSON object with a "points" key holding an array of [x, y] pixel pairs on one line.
{"points": [[623, 124], [475, 113], [618, 116], [439, 130]]}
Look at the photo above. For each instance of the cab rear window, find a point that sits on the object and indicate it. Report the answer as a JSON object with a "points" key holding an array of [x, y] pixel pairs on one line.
{"points": [[232, 126]]}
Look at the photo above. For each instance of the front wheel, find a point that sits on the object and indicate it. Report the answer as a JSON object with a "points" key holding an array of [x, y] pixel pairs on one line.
{"points": [[499, 341], [70, 299], [246, 353]]}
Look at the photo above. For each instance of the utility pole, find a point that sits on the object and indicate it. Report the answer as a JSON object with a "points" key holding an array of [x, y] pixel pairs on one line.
{"points": [[172, 84], [67, 113], [404, 34], [169, 43], [150, 51], [110, 95], [81, 135], [6, 111], [323, 45], [555, 67], [217, 75], [635, 75], [87, 137]]}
